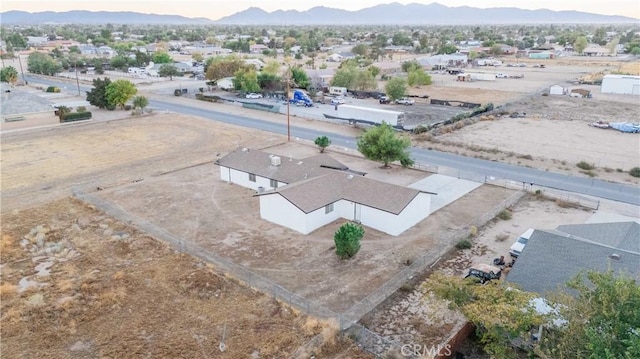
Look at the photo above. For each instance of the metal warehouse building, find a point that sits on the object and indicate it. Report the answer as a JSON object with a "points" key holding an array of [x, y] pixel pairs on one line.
{"points": [[621, 84]]}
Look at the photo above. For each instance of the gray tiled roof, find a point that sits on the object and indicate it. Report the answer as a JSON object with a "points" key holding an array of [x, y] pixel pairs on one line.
{"points": [[552, 257], [290, 170], [315, 193], [622, 235]]}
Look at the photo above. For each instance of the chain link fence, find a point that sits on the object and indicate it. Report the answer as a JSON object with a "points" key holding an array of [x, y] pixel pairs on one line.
{"points": [[347, 320]]}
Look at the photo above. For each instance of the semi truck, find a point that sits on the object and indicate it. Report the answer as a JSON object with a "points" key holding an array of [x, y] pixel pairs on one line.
{"points": [[300, 98], [368, 115]]}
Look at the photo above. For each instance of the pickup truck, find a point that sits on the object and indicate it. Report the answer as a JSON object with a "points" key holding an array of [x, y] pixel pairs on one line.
{"points": [[500, 75], [384, 99], [405, 101]]}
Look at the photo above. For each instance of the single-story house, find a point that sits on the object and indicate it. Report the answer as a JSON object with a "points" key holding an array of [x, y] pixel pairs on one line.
{"points": [[557, 90], [307, 194], [334, 58], [596, 50], [256, 63], [257, 48], [541, 55], [552, 257]]}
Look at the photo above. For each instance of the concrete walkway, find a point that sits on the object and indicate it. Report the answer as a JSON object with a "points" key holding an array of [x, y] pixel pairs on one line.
{"points": [[448, 189]]}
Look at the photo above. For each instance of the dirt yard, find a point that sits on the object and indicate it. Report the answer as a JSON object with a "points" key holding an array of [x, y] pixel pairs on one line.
{"points": [[77, 284], [551, 133]]}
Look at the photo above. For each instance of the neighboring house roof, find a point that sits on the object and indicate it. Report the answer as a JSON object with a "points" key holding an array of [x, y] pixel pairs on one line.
{"points": [[315, 193], [290, 170], [553, 257]]}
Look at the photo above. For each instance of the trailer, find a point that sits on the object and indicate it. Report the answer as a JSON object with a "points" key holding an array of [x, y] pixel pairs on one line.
{"points": [[337, 91], [367, 115], [482, 77]]}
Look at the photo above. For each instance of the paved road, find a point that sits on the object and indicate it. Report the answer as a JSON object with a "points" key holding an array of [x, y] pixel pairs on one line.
{"points": [[581, 185]]}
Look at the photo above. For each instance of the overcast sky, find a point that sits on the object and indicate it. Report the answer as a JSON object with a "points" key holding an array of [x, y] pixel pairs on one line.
{"points": [[215, 9]]}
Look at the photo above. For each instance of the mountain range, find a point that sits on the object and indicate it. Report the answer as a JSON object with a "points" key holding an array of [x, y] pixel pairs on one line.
{"points": [[384, 14]]}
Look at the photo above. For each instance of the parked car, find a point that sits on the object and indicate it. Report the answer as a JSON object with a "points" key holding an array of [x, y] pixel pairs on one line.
{"points": [[384, 100], [483, 272], [405, 101], [500, 75], [254, 95], [518, 246], [337, 101]]}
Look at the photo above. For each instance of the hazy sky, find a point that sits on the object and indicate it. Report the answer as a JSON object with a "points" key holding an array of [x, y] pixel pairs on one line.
{"points": [[215, 9]]}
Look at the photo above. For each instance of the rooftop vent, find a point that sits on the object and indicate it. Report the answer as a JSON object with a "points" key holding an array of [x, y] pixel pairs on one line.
{"points": [[299, 163], [244, 149], [275, 161], [615, 256], [350, 177]]}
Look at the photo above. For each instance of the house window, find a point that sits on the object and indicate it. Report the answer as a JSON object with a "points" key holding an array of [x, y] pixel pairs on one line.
{"points": [[274, 183], [252, 177], [328, 208]]}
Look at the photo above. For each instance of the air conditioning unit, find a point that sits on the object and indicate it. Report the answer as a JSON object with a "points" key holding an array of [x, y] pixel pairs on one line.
{"points": [[260, 189], [276, 161]]}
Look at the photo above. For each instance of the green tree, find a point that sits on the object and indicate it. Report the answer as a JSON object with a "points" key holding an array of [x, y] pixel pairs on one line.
{"points": [[120, 91], [580, 44], [374, 70], [418, 77], [612, 46], [168, 70], [300, 77], [447, 49], [62, 111], [98, 94], [161, 58], [500, 312], [364, 80], [197, 56], [246, 80], [9, 74], [322, 142], [402, 39], [271, 67], [603, 320], [40, 63], [269, 82], [347, 240], [345, 77], [411, 65], [119, 62], [140, 102], [220, 67], [361, 50], [16, 41], [396, 88], [382, 144]]}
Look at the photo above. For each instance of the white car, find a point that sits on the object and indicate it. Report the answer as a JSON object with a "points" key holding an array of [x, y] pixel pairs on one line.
{"points": [[405, 101], [337, 101], [518, 246], [500, 75], [254, 95]]}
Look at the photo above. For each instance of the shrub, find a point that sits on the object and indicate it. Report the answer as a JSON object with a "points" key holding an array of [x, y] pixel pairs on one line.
{"points": [[76, 116], [81, 109], [347, 239], [635, 172], [504, 215], [463, 244], [585, 165]]}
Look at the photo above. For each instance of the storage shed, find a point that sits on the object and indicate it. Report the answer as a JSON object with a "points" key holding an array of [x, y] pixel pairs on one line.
{"points": [[557, 90], [621, 84]]}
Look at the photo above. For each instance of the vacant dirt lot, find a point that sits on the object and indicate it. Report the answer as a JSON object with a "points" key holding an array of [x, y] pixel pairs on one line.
{"points": [[552, 133], [77, 284]]}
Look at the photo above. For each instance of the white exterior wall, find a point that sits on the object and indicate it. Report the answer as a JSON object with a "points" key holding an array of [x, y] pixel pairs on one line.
{"points": [[275, 208], [318, 218], [394, 225], [621, 85], [242, 178], [556, 90]]}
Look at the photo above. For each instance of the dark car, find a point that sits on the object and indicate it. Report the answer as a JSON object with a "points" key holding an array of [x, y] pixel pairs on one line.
{"points": [[484, 273]]}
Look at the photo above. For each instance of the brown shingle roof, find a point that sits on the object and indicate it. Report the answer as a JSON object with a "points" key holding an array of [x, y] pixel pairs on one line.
{"points": [[290, 170], [315, 193]]}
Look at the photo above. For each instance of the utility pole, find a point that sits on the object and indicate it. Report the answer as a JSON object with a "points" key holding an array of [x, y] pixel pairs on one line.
{"points": [[77, 80], [288, 104], [21, 70]]}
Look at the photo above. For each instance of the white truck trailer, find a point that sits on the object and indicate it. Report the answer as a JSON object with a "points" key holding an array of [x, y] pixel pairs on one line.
{"points": [[368, 115], [482, 77]]}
